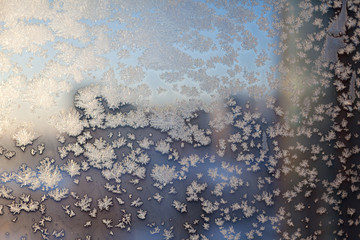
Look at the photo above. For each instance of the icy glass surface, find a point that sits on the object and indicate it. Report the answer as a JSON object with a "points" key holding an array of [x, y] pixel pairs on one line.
{"points": [[179, 119]]}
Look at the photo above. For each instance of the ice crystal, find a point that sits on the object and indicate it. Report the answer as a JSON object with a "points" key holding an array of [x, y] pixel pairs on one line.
{"points": [[5, 192], [105, 203], [181, 207], [26, 176], [68, 122], [162, 146], [24, 136], [193, 190], [84, 203], [59, 194], [136, 203], [72, 168], [163, 174], [49, 173], [9, 154], [99, 154], [168, 234], [141, 214]]}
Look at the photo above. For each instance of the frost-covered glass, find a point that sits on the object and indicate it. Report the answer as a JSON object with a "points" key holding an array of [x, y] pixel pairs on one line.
{"points": [[179, 119]]}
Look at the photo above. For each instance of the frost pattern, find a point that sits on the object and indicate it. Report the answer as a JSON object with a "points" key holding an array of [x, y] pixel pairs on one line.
{"points": [[189, 120]]}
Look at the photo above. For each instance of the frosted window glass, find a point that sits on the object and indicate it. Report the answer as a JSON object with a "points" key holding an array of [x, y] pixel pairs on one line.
{"points": [[179, 119]]}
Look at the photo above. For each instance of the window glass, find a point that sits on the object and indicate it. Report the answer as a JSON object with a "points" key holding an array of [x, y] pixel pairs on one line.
{"points": [[179, 119]]}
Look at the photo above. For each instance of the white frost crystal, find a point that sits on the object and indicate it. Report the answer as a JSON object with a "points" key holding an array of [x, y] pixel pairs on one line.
{"points": [[59, 194], [99, 154], [72, 168], [5, 192], [163, 174], [84, 203], [105, 203], [49, 173], [181, 207], [68, 122], [23, 136], [141, 214]]}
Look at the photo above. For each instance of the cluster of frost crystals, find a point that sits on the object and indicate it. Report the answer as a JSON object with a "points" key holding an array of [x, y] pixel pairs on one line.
{"points": [[99, 154], [58, 194], [23, 136], [72, 168], [257, 139], [127, 46], [49, 173], [163, 174], [68, 122]]}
